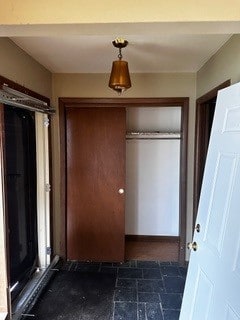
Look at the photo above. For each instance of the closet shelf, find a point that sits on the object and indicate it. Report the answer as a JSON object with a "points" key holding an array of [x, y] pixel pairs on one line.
{"points": [[152, 135]]}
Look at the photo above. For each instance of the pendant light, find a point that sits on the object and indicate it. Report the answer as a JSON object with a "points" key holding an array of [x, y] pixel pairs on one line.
{"points": [[120, 78]]}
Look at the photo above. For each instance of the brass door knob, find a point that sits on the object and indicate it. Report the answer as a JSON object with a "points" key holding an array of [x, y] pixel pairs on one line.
{"points": [[192, 246]]}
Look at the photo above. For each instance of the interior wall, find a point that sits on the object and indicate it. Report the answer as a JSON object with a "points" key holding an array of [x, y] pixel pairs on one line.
{"points": [[143, 85], [222, 66], [152, 173], [152, 187], [150, 119], [18, 66]]}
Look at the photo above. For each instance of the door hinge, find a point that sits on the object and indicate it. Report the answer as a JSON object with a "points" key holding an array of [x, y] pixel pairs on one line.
{"points": [[49, 250], [47, 187], [46, 120]]}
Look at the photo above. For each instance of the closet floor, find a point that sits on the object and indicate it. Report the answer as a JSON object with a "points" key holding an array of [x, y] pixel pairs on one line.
{"points": [[134, 290]]}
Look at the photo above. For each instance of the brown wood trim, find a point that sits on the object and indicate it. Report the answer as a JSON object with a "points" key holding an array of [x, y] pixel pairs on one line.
{"points": [[23, 89], [182, 102], [129, 102], [183, 181], [133, 237], [200, 146]]}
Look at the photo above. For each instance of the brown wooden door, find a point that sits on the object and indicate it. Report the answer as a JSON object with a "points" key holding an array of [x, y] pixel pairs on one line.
{"points": [[95, 173]]}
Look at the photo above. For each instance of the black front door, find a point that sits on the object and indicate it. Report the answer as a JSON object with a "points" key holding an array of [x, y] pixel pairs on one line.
{"points": [[20, 157]]}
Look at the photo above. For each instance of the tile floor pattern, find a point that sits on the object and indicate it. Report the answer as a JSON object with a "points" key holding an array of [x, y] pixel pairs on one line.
{"points": [[144, 290]]}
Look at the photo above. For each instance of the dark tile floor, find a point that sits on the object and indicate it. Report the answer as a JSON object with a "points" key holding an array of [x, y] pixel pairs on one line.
{"points": [[144, 290]]}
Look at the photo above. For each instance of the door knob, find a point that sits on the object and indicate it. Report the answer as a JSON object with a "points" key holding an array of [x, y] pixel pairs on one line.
{"points": [[121, 191], [192, 246]]}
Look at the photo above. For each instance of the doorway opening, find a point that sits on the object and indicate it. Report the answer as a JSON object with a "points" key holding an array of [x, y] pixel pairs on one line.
{"points": [[182, 103], [205, 108], [21, 195], [152, 183], [25, 206]]}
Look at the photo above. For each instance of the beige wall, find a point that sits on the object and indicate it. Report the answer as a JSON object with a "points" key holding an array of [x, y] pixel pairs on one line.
{"points": [[143, 85], [16, 65], [222, 66], [82, 11]]}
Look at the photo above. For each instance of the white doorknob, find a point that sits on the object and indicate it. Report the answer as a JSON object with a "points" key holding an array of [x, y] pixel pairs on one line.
{"points": [[121, 191]]}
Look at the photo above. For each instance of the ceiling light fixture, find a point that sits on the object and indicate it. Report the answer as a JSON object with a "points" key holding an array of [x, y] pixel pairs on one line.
{"points": [[120, 78]]}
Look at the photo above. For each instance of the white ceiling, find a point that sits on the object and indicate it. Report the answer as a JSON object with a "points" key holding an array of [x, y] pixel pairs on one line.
{"points": [[145, 52], [153, 46]]}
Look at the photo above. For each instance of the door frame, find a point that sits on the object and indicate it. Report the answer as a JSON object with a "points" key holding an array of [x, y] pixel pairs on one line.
{"points": [[182, 102], [4, 243], [201, 141]]}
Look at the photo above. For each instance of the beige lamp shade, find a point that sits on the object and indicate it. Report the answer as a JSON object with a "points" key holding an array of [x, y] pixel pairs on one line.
{"points": [[120, 78]]}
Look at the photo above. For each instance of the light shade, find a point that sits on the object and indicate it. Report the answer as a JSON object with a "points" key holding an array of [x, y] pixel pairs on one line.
{"points": [[120, 78]]}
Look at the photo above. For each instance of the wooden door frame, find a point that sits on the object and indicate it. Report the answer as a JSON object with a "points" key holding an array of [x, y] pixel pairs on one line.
{"points": [[201, 143], [182, 102]]}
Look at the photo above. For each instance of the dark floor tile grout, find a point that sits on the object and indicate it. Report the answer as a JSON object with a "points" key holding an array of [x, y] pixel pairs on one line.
{"points": [[161, 308], [113, 313], [116, 282], [137, 293], [145, 311], [135, 271]]}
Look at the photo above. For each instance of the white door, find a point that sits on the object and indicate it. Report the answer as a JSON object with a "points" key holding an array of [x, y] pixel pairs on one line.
{"points": [[212, 290]]}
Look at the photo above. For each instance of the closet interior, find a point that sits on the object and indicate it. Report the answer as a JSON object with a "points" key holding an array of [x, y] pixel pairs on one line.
{"points": [[152, 213]]}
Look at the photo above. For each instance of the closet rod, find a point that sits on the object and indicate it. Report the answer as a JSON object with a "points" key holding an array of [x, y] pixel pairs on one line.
{"points": [[153, 136]]}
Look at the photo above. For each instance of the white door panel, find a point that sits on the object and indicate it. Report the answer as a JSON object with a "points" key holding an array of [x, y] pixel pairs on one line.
{"points": [[213, 281], [231, 315], [204, 290]]}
